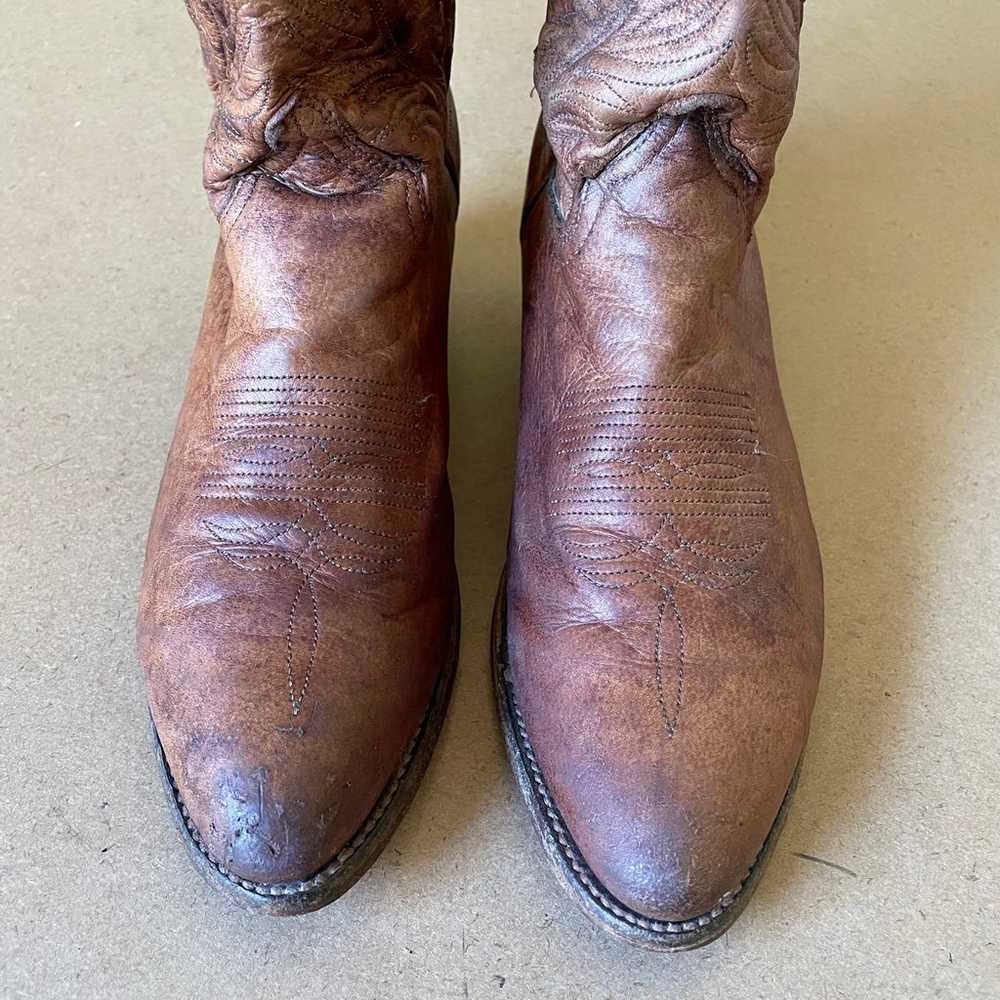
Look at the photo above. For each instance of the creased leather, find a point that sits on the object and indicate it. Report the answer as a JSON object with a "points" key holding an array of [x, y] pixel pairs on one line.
{"points": [[326, 98], [665, 615], [299, 592], [606, 70]]}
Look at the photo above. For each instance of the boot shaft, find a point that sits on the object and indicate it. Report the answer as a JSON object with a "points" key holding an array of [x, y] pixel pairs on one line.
{"points": [[324, 97], [607, 71]]}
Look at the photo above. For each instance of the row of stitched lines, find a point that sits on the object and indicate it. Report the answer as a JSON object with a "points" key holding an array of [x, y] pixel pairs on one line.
{"points": [[373, 396]]}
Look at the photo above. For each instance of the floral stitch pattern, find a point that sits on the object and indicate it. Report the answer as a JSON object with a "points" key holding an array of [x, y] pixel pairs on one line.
{"points": [[297, 454], [679, 500]]}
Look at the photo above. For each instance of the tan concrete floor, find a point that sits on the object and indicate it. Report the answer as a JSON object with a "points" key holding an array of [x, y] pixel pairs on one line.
{"points": [[882, 254]]}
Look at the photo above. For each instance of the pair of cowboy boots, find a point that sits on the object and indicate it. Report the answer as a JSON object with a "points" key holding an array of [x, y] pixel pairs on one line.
{"points": [[658, 633]]}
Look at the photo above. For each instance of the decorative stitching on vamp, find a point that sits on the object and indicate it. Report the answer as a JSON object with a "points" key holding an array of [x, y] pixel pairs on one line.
{"points": [[304, 449], [669, 503]]}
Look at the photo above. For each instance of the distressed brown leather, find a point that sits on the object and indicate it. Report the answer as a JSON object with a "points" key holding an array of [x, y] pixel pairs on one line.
{"points": [[665, 616], [299, 590]]}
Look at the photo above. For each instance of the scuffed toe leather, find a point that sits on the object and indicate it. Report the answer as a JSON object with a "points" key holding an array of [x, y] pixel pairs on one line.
{"points": [[270, 821], [669, 812], [669, 838], [274, 797], [264, 824]]}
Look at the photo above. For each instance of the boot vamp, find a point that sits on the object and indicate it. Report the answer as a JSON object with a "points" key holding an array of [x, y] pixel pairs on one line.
{"points": [[299, 592], [665, 598]]}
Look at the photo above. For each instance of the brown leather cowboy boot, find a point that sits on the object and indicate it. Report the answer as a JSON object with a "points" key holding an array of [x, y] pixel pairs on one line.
{"points": [[299, 612], [659, 642]]}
